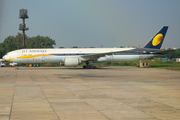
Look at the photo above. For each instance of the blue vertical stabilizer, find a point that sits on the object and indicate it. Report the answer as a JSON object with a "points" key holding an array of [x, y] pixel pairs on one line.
{"points": [[157, 40]]}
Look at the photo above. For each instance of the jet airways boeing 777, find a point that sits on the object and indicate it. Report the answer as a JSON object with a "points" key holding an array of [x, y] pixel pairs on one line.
{"points": [[76, 56]]}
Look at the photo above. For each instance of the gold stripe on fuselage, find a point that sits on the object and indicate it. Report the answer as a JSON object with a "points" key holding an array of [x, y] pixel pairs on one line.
{"points": [[30, 56], [10, 59]]}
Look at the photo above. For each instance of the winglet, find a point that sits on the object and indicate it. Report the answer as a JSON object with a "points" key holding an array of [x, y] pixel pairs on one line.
{"points": [[157, 40]]}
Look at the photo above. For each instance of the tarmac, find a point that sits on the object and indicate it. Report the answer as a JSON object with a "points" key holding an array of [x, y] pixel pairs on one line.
{"points": [[109, 93]]}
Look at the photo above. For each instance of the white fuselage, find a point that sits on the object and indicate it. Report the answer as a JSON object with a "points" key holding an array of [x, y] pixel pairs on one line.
{"points": [[58, 55]]}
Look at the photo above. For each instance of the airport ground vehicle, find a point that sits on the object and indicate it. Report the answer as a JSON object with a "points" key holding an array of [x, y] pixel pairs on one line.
{"points": [[13, 64], [2, 64]]}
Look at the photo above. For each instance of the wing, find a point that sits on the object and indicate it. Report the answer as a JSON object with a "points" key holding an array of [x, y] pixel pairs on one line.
{"points": [[98, 55]]}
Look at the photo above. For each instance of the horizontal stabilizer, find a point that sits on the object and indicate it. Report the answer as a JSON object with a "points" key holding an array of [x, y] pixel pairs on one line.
{"points": [[163, 52]]}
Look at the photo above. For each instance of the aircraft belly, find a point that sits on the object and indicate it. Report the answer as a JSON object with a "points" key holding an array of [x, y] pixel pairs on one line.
{"points": [[146, 56], [125, 58], [52, 59], [129, 58], [15, 60]]}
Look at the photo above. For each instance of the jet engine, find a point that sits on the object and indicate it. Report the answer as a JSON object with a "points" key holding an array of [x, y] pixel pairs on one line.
{"points": [[71, 61]]}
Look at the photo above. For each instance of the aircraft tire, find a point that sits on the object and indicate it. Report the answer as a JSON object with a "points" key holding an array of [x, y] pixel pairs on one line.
{"points": [[89, 67], [94, 67]]}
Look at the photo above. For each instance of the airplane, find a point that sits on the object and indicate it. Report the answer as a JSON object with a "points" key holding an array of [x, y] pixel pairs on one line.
{"points": [[72, 57]]}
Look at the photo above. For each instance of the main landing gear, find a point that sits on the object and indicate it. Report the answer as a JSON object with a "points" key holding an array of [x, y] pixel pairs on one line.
{"points": [[89, 65]]}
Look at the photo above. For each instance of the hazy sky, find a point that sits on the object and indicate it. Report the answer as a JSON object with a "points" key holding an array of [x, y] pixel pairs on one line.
{"points": [[85, 23]]}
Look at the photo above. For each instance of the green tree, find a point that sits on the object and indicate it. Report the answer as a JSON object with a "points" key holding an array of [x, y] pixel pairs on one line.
{"points": [[40, 42], [74, 47], [2, 50], [174, 54], [13, 43]]}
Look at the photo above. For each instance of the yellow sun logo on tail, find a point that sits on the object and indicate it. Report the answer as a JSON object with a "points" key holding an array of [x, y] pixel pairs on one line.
{"points": [[157, 39]]}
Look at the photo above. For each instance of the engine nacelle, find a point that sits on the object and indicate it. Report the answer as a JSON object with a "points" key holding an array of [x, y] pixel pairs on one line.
{"points": [[71, 61]]}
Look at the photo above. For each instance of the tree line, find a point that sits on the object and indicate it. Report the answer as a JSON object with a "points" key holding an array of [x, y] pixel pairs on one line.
{"points": [[15, 42], [170, 55]]}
